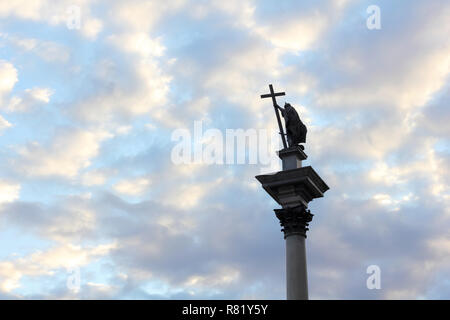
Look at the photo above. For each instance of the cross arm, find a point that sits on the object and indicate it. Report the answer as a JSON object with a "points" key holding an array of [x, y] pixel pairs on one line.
{"points": [[270, 95]]}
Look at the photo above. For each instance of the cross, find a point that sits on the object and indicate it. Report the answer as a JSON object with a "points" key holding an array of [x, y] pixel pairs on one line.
{"points": [[272, 95]]}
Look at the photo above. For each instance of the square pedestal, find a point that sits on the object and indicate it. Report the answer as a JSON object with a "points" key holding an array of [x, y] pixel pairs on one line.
{"points": [[292, 157], [291, 188]]}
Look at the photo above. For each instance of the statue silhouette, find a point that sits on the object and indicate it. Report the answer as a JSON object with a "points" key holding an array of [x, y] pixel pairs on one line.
{"points": [[295, 129]]}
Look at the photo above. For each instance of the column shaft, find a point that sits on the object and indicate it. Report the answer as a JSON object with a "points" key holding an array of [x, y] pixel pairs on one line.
{"points": [[296, 273], [295, 224]]}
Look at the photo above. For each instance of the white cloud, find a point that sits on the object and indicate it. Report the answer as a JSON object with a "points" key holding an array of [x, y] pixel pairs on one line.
{"points": [[47, 50], [241, 13], [188, 195], [4, 124], [8, 78], [409, 87], [29, 99], [123, 130], [93, 178], [138, 42], [22, 8], [64, 156], [91, 27], [40, 94], [393, 203], [54, 13], [132, 187], [51, 52], [47, 262], [121, 101], [221, 277], [387, 72], [296, 35], [9, 192], [142, 16], [430, 168], [295, 29]]}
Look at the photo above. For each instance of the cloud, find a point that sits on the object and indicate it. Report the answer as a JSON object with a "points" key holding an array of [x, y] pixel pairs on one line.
{"points": [[29, 99], [30, 11], [132, 187], [384, 71], [138, 42], [24, 101], [94, 178], [4, 124], [9, 192], [91, 27], [138, 16], [221, 278], [69, 220], [64, 156], [54, 14], [47, 50], [46, 262], [8, 78], [125, 92]]}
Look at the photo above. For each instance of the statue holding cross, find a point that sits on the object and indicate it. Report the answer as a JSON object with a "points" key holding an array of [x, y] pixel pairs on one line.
{"points": [[295, 129]]}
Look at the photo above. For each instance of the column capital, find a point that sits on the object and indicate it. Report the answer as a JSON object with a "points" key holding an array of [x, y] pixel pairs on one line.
{"points": [[294, 220]]}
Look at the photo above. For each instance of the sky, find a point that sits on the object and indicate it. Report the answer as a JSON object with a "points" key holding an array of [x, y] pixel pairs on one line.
{"points": [[93, 205]]}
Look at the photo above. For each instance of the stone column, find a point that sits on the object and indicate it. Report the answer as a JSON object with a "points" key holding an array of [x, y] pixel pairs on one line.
{"points": [[295, 222], [293, 188]]}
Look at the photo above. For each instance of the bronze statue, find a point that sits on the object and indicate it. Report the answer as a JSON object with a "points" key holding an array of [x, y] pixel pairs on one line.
{"points": [[295, 129]]}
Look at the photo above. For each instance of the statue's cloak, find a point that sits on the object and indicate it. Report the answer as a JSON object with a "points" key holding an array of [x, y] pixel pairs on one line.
{"points": [[295, 129]]}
